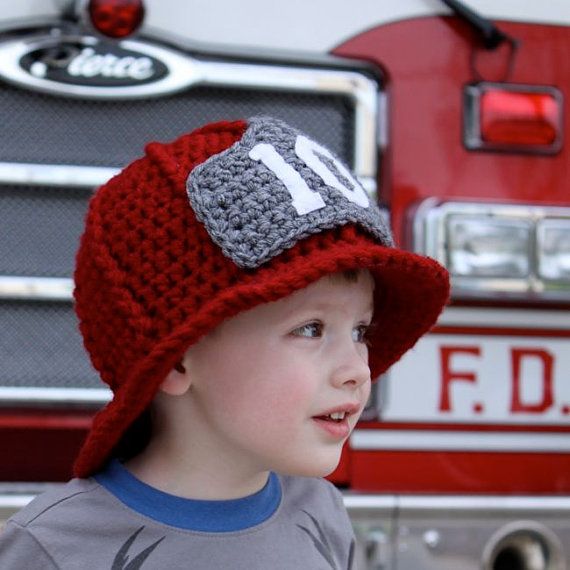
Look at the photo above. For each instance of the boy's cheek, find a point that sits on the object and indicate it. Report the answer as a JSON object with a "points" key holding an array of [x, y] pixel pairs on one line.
{"points": [[293, 402], [365, 395], [367, 389]]}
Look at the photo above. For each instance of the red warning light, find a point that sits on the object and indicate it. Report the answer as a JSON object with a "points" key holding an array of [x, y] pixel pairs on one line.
{"points": [[116, 18], [519, 118], [516, 118]]}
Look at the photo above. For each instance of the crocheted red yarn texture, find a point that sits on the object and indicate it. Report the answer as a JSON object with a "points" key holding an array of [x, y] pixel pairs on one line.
{"points": [[150, 282]]}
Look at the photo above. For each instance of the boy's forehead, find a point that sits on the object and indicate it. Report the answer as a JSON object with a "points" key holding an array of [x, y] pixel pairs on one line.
{"points": [[333, 291]]}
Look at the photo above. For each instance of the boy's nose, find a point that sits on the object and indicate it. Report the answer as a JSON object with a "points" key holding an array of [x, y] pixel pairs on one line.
{"points": [[351, 367]]}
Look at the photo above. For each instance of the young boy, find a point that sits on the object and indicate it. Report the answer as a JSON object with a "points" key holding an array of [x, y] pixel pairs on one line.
{"points": [[237, 290]]}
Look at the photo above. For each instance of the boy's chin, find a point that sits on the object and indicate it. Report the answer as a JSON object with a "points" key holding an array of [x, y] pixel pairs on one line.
{"points": [[316, 467]]}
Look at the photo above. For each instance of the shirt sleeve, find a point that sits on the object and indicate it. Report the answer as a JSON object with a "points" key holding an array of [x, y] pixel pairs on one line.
{"points": [[19, 549]]}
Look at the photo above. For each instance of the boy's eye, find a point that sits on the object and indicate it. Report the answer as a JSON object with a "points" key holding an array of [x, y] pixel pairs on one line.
{"points": [[361, 333], [310, 330]]}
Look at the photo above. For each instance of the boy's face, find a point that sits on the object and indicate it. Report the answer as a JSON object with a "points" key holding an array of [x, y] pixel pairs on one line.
{"points": [[265, 383]]}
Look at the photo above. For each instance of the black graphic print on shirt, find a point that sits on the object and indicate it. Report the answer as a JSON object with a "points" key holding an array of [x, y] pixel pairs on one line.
{"points": [[122, 562]]}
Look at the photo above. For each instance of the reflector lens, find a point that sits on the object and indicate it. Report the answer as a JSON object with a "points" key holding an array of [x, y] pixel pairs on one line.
{"points": [[519, 118], [116, 18]]}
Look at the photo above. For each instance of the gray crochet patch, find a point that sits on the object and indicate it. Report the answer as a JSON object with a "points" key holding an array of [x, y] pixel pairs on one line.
{"points": [[273, 188]]}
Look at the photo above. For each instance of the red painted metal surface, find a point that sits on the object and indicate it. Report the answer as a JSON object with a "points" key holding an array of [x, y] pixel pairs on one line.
{"points": [[470, 331], [513, 428], [38, 445], [459, 472], [341, 475], [427, 63]]}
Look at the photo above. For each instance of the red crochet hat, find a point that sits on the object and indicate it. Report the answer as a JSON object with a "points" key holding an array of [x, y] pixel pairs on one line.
{"points": [[230, 216]]}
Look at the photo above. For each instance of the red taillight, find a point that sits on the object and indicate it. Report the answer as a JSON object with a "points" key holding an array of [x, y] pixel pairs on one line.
{"points": [[116, 18], [513, 118]]}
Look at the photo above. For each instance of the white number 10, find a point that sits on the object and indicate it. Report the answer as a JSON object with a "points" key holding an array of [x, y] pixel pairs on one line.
{"points": [[304, 199]]}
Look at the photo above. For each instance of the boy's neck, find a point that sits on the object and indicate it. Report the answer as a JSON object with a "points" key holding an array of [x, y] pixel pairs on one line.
{"points": [[177, 474]]}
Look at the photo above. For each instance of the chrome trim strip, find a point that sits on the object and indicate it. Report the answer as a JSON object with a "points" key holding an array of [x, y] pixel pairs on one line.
{"points": [[504, 318], [427, 440], [368, 501], [59, 396], [54, 175], [481, 503], [12, 503], [15, 502], [36, 288], [15, 496]]}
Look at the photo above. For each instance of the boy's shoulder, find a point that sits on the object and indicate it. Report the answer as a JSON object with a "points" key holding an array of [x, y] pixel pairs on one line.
{"points": [[315, 497], [310, 490], [51, 502]]}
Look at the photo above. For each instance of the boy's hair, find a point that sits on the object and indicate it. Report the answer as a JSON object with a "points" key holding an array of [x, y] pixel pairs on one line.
{"points": [[225, 218]]}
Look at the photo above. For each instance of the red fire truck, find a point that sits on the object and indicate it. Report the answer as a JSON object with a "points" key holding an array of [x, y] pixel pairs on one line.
{"points": [[452, 114]]}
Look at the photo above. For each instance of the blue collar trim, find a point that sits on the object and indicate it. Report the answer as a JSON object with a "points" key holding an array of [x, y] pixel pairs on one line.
{"points": [[191, 514]]}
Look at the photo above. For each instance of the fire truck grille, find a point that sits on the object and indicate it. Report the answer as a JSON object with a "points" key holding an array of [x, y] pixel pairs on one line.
{"points": [[45, 129], [40, 223]]}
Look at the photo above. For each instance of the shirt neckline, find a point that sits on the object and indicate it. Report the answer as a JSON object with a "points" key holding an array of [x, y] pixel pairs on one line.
{"points": [[191, 514]]}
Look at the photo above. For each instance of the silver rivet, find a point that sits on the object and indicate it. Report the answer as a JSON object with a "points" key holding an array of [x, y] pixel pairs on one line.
{"points": [[432, 538]]}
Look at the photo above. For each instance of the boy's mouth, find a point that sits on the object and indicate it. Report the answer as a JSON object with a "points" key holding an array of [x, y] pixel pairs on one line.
{"points": [[338, 414], [334, 417], [335, 422]]}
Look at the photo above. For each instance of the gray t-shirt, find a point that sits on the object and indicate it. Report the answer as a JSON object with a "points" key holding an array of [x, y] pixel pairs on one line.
{"points": [[115, 522]]}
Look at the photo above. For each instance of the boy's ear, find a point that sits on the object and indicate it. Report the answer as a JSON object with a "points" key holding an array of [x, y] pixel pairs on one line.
{"points": [[177, 382]]}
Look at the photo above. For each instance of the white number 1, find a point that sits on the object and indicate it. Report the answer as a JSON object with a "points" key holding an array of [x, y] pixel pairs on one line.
{"points": [[304, 199]]}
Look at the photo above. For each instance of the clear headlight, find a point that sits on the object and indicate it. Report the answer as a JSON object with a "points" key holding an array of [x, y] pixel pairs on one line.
{"points": [[553, 237], [482, 247], [498, 250]]}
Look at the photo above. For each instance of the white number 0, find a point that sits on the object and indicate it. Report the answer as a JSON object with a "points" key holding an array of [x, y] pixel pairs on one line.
{"points": [[304, 199]]}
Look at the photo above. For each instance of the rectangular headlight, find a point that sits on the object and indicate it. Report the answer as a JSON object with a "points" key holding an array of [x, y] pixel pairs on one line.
{"points": [[501, 251], [553, 237], [479, 246]]}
